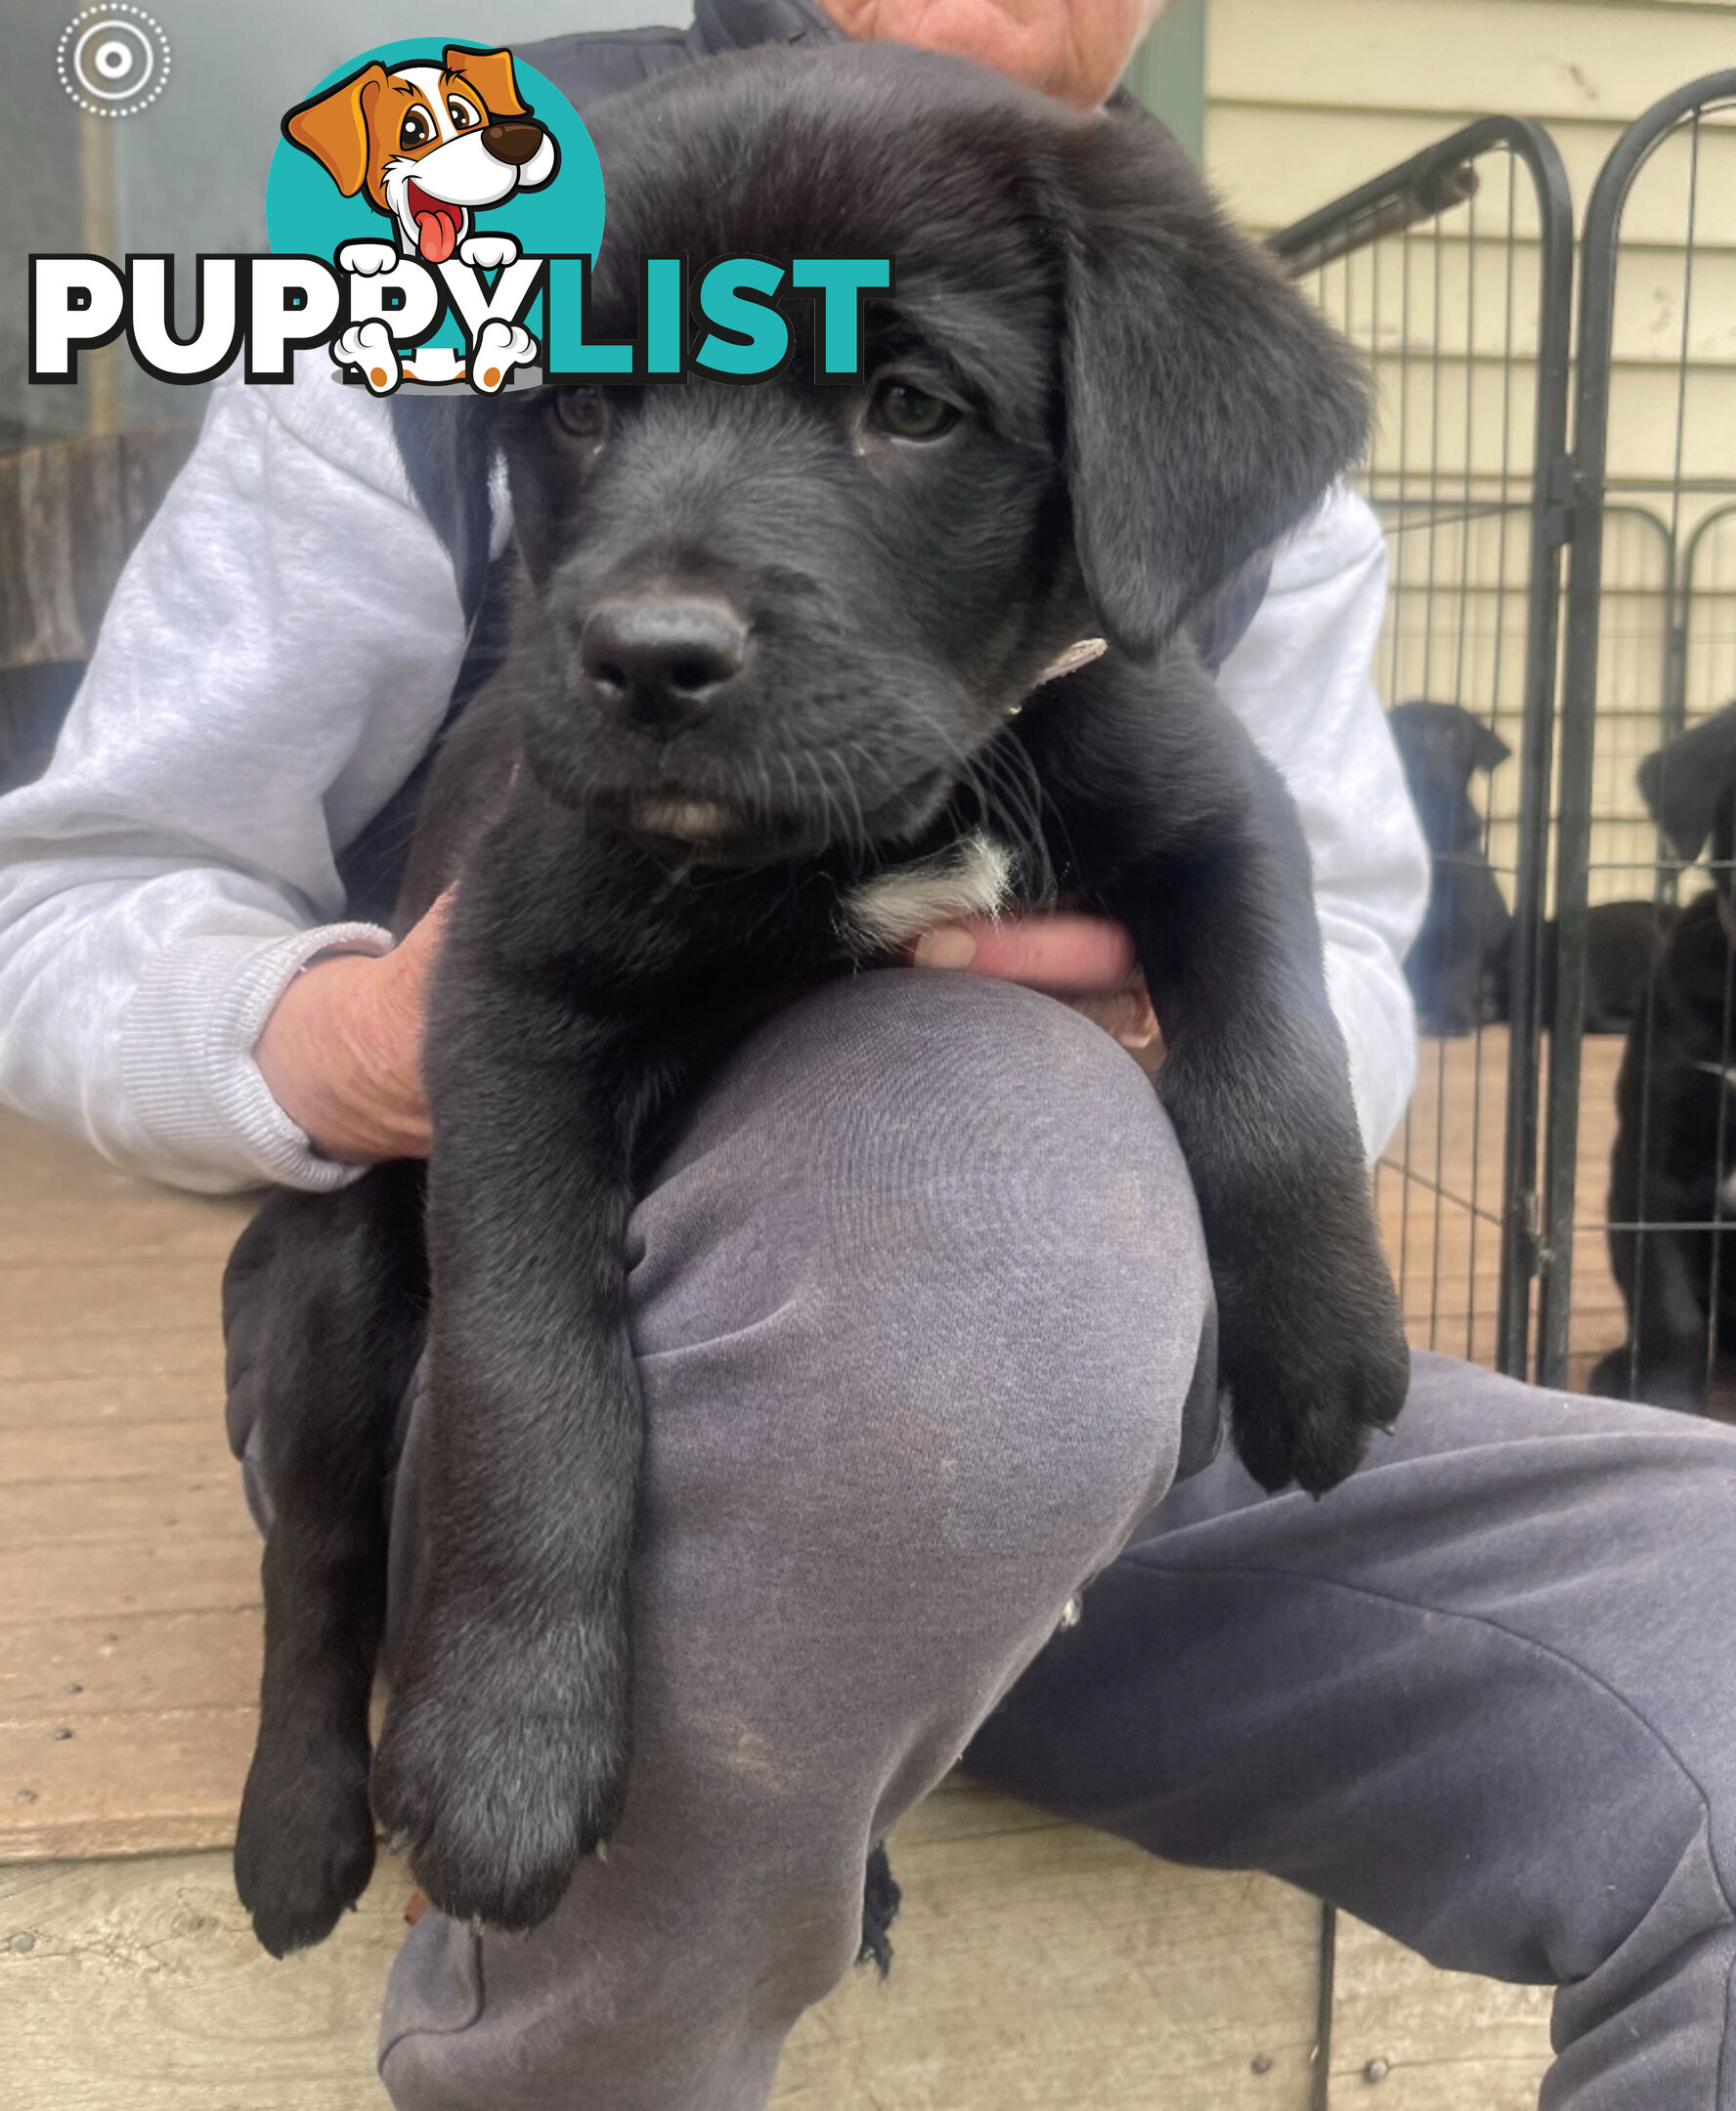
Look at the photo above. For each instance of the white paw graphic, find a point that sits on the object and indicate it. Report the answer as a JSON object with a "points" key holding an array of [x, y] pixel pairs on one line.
{"points": [[500, 347], [487, 252], [366, 258], [368, 347]]}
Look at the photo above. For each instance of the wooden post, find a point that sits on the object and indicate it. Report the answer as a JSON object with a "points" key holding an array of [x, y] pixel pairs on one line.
{"points": [[99, 371], [1168, 72]]}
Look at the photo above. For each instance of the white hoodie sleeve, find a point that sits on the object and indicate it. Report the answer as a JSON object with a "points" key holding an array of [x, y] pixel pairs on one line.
{"points": [[276, 656], [1300, 681]]}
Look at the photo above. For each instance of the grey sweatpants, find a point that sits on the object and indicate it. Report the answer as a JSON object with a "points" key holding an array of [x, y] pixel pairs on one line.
{"points": [[919, 1301]]}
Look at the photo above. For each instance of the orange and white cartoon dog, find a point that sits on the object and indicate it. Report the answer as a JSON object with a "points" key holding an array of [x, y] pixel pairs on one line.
{"points": [[431, 145]]}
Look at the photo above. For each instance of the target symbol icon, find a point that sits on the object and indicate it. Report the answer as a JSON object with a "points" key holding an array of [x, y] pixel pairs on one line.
{"points": [[113, 60]]}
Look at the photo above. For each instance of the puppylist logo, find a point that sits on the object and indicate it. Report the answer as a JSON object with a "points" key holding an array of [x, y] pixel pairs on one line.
{"points": [[434, 212]]}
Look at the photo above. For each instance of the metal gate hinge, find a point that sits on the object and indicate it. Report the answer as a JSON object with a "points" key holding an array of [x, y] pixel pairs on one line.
{"points": [[1528, 1223], [1561, 491]]}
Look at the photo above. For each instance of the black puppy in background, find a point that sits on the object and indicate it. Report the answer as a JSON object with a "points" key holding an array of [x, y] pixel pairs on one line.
{"points": [[1675, 1151], [780, 693], [1625, 940], [1458, 966]]}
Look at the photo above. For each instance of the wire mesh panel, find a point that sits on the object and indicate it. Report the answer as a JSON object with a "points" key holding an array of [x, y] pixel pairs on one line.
{"points": [[1709, 610], [1640, 1132], [1453, 274]]}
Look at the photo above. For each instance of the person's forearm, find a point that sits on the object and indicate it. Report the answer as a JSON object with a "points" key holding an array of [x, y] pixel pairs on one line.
{"points": [[276, 656]]}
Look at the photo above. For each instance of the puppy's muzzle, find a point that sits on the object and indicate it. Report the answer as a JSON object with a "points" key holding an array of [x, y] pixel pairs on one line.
{"points": [[659, 666], [511, 142]]}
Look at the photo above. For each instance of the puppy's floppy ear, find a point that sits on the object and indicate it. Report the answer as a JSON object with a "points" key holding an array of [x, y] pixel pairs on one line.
{"points": [[1488, 751], [1683, 782], [491, 74], [1208, 406], [334, 127]]}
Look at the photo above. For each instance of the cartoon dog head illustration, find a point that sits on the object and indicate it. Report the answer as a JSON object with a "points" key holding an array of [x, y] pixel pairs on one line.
{"points": [[430, 143]]}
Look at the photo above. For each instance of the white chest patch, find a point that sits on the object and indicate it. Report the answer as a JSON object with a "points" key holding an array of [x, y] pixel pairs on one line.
{"points": [[970, 877]]}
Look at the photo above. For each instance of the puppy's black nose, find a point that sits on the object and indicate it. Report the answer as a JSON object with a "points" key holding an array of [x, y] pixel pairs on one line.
{"points": [[659, 665], [512, 143]]}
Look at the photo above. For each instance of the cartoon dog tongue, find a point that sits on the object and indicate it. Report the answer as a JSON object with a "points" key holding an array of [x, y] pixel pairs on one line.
{"points": [[437, 225]]}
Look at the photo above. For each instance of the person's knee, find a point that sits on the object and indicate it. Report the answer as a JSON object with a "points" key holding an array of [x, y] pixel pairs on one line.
{"points": [[935, 1240]]}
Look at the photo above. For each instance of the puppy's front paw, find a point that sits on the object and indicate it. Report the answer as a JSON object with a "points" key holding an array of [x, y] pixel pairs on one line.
{"points": [[503, 1765], [304, 1843], [367, 259], [487, 252], [1315, 1364]]}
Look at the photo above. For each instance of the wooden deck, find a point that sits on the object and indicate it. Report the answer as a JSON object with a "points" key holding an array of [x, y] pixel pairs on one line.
{"points": [[1040, 1969]]}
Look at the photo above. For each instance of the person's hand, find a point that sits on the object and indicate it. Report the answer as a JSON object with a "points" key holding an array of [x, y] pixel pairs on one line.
{"points": [[1073, 49], [1086, 961], [342, 1050]]}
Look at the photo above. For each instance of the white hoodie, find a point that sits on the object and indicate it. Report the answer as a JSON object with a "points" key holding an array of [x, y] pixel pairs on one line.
{"points": [[278, 655]]}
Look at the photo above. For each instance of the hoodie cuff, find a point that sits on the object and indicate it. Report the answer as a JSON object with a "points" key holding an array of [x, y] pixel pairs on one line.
{"points": [[195, 1095]]}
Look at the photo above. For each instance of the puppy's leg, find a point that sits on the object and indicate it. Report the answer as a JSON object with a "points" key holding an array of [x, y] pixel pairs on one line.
{"points": [[1185, 834], [1665, 1361], [323, 1313], [505, 1741]]}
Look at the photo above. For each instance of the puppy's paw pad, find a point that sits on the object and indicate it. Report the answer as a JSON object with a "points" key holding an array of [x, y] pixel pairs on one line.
{"points": [[304, 1844]]}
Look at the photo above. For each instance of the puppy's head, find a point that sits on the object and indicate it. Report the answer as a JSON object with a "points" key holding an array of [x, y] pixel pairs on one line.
{"points": [[1442, 747], [1689, 786], [764, 616], [430, 145]]}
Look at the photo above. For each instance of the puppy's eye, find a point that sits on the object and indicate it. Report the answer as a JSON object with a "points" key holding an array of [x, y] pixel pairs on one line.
{"points": [[908, 412], [415, 130], [584, 412], [463, 118]]}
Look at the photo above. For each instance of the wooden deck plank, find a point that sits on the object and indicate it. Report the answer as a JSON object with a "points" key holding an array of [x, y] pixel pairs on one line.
{"points": [[71, 1669], [116, 1446], [153, 1573], [39, 1514], [191, 1352], [1433, 2041], [136, 1396], [146, 1781], [1037, 1967]]}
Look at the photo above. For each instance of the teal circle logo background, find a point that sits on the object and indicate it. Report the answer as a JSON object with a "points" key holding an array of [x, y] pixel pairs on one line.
{"points": [[307, 215]]}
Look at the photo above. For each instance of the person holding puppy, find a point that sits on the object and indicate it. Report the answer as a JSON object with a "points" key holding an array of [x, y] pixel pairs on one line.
{"points": [[1476, 1694]]}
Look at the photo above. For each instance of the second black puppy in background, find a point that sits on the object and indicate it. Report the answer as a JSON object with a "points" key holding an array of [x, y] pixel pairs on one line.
{"points": [[1675, 1141], [1458, 966]]}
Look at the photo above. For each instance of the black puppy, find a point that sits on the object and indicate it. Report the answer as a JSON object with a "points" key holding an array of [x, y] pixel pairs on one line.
{"points": [[1676, 1136], [778, 694], [1458, 966], [1625, 940]]}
